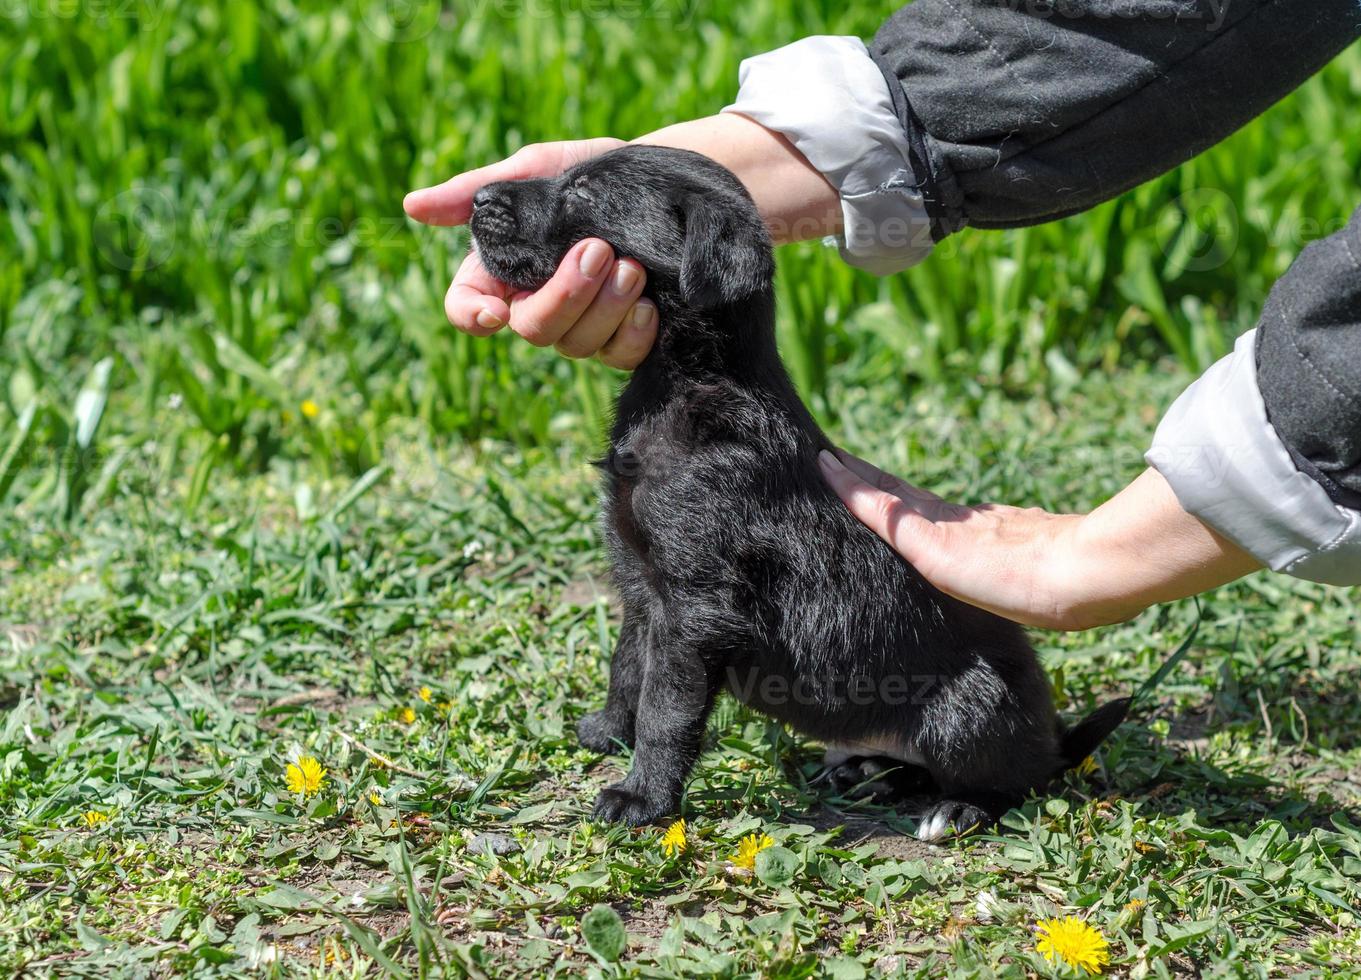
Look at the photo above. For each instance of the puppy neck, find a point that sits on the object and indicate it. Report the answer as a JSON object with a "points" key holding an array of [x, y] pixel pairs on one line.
{"points": [[733, 340]]}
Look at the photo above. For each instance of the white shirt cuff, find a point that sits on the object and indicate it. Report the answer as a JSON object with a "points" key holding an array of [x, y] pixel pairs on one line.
{"points": [[829, 98], [1220, 454]]}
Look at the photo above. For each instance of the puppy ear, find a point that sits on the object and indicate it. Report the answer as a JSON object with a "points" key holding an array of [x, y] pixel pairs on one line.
{"points": [[727, 255]]}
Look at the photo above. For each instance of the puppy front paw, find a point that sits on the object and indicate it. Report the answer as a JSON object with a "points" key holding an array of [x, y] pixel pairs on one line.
{"points": [[602, 732], [622, 803], [952, 818]]}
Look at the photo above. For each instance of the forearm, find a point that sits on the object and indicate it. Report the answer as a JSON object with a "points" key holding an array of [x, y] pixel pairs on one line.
{"points": [[1138, 549], [991, 115], [796, 201]]}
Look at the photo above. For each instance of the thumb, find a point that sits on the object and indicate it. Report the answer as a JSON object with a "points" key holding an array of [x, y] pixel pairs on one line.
{"points": [[451, 203], [895, 519]]}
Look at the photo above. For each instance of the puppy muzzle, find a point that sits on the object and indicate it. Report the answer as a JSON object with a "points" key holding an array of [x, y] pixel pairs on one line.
{"points": [[493, 222]]}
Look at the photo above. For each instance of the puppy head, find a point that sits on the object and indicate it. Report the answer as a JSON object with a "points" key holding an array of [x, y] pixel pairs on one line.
{"points": [[687, 219]]}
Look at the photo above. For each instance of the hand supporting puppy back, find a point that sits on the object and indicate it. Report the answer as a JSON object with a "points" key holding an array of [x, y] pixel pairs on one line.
{"points": [[1056, 571], [593, 306]]}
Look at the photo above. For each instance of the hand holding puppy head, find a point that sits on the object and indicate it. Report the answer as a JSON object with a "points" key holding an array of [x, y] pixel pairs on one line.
{"points": [[593, 306]]}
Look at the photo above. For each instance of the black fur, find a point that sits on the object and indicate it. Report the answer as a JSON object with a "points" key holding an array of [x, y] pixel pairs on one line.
{"points": [[736, 565]]}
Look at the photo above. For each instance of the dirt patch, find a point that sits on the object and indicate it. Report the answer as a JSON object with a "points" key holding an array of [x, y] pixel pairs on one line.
{"points": [[20, 636], [319, 939], [1189, 731], [585, 592]]}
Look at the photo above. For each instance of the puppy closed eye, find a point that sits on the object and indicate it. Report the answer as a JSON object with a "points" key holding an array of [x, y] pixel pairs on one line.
{"points": [[577, 192]]}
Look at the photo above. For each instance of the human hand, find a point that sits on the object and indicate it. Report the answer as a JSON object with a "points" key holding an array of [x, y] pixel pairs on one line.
{"points": [[591, 307], [1057, 571]]}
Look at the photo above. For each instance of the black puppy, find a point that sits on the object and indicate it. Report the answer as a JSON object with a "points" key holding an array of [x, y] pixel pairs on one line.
{"points": [[736, 564]]}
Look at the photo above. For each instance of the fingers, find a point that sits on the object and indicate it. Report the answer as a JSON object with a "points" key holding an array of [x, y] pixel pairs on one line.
{"points": [[451, 203], [544, 316], [475, 301], [634, 338], [887, 482], [576, 310], [592, 305], [923, 501], [607, 312], [888, 515]]}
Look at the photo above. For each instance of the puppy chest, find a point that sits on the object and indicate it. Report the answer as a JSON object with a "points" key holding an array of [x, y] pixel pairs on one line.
{"points": [[677, 506]]}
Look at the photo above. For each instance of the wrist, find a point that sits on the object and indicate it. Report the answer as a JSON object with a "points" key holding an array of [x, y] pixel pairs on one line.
{"points": [[795, 200], [1139, 549], [1100, 581]]}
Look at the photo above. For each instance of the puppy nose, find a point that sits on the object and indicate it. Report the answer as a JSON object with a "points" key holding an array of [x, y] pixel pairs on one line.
{"points": [[493, 217], [489, 194]]}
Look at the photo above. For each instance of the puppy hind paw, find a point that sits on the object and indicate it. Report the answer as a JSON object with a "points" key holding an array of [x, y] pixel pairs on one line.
{"points": [[856, 778], [952, 818], [601, 732], [621, 804], [875, 777]]}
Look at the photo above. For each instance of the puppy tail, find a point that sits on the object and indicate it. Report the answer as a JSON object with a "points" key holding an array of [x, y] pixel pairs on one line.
{"points": [[1082, 739]]}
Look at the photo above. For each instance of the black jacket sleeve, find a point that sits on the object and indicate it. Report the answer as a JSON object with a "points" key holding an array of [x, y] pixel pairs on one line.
{"points": [[1023, 111], [1309, 362]]}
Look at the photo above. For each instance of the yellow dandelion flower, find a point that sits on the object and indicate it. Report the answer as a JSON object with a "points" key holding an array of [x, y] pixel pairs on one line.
{"points": [[306, 776], [1074, 942], [375, 797], [1086, 767], [406, 716], [335, 953], [1130, 913], [93, 818], [425, 694], [673, 841], [309, 409], [747, 849]]}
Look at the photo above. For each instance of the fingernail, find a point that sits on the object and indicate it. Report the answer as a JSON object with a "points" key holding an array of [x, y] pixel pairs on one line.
{"points": [[488, 320], [625, 278], [642, 314], [593, 259], [829, 462]]}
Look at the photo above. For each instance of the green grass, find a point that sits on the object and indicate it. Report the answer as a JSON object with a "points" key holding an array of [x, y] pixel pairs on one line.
{"points": [[162, 670], [210, 194], [200, 582]]}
